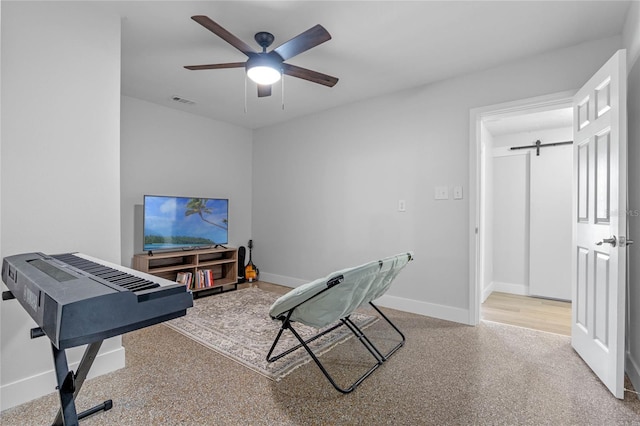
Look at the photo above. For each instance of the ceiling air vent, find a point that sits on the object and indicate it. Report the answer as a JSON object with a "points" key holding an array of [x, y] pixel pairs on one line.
{"points": [[182, 100]]}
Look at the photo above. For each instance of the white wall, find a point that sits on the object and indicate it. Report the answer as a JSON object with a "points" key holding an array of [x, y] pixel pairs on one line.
{"points": [[511, 222], [631, 34], [326, 187], [632, 44], [170, 152], [60, 169]]}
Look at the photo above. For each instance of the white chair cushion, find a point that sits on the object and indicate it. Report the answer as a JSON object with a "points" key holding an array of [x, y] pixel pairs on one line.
{"points": [[361, 285]]}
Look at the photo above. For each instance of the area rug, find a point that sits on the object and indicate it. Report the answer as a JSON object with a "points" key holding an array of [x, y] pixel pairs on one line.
{"points": [[237, 325]]}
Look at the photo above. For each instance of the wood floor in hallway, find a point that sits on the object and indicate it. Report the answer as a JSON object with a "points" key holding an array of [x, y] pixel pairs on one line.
{"points": [[553, 316]]}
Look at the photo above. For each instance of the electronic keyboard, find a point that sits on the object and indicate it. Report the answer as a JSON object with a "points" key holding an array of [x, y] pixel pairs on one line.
{"points": [[76, 299]]}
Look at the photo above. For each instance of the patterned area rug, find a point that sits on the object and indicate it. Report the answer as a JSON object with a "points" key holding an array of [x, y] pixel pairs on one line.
{"points": [[237, 325]]}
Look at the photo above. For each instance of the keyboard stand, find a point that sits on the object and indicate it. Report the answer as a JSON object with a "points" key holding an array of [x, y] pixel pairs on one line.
{"points": [[69, 385]]}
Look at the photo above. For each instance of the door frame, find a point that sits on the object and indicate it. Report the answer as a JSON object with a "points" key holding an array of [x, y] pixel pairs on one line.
{"points": [[476, 187]]}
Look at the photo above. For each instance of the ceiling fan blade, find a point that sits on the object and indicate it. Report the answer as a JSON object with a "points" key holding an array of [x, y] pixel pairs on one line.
{"points": [[303, 42], [223, 34], [264, 90], [216, 66], [309, 75]]}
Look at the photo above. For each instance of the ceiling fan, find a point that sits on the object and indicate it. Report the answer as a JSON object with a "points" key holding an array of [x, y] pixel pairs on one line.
{"points": [[266, 68]]}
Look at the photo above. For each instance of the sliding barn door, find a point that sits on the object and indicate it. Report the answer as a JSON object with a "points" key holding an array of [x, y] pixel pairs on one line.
{"points": [[551, 186], [599, 223]]}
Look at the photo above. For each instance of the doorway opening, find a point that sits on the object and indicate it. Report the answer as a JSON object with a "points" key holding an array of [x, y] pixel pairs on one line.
{"points": [[523, 233], [599, 223]]}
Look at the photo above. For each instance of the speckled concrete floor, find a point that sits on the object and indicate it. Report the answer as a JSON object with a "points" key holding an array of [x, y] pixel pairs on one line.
{"points": [[446, 374]]}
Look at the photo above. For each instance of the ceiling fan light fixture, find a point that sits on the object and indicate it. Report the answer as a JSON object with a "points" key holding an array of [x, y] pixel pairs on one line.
{"points": [[263, 74], [264, 70]]}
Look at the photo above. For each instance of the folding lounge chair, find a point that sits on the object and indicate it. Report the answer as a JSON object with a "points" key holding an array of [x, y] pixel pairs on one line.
{"points": [[334, 298]]}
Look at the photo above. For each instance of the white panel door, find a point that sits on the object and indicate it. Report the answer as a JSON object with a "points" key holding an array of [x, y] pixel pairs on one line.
{"points": [[599, 222]]}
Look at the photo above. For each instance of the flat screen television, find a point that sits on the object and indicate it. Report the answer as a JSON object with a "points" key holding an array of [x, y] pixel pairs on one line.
{"points": [[175, 223]]}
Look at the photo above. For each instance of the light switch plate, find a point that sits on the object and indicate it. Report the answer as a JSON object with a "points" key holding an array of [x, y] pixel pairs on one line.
{"points": [[442, 193], [457, 192]]}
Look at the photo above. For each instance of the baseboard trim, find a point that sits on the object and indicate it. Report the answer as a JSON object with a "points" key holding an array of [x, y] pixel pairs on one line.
{"points": [[632, 368], [281, 280], [39, 385], [520, 289], [428, 309], [486, 292], [394, 302]]}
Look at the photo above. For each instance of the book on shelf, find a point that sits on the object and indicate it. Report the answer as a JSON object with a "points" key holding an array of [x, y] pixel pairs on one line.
{"points": [[205, 278], [184, 278], [209, 278], [200, 283]]}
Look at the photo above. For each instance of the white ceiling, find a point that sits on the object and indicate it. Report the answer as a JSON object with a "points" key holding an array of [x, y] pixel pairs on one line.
{"points": [[377, 47]]}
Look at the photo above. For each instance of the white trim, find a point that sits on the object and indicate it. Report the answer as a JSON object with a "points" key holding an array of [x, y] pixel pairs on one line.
{"points": [[444, 312], [282, 280], [475, 148], [486, 292], [511, 288], [476, 115], [30, 388], [632, 368]]}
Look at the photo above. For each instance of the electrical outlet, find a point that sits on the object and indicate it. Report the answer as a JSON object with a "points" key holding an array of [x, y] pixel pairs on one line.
{"points": [[402, 206]]}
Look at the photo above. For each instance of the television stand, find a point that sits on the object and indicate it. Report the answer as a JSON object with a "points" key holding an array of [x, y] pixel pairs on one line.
{"points": [[211, 271]]}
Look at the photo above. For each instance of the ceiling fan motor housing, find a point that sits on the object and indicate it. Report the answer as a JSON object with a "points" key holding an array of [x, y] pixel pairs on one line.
{"points": [[264, 39]]}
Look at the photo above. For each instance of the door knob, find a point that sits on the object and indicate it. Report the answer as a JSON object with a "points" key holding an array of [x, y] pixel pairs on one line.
{"points": [[613, 241]]}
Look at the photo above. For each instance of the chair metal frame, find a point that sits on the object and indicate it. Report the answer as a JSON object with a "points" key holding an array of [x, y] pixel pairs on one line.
{"points": [[380, 358]]}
